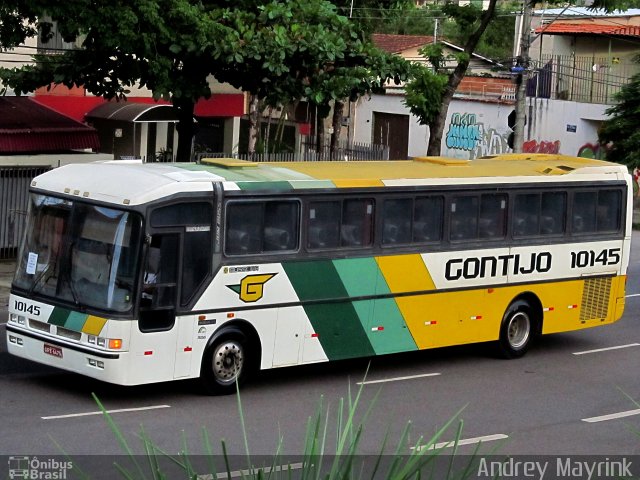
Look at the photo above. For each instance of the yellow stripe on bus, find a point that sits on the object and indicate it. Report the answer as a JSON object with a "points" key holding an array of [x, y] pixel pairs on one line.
{"points": [[94, 325], [408, 273], [358, 183]]}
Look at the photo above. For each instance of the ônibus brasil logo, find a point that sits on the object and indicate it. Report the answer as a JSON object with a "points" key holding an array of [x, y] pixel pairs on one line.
{"points": [[251, 287], [33, 468]]}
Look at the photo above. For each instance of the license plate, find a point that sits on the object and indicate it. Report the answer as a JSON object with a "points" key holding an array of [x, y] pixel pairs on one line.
{"points": [[52, 350]]}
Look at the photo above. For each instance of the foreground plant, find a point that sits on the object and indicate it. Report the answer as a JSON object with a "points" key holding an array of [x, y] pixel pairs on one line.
{"points": [[321, 459]]}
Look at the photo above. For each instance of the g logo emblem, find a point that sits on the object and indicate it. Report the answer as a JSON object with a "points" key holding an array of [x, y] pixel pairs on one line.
{"points": [[251, 288]]}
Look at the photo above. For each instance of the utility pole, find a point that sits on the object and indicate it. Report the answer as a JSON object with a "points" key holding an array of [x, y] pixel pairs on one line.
{"points": [[521, 88]]}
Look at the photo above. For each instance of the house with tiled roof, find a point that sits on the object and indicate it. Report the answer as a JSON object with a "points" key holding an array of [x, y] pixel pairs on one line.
{"points": [[408, 47], [482, 102]]}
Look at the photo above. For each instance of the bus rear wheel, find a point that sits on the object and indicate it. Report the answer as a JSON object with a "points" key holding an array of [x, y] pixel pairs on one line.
{"points": [[224, 363], [516, 330]]}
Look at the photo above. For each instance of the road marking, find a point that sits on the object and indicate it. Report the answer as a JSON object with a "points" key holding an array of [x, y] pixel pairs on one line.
{"points": [[633, 295], [618, 347], [120, 410], [252, 472], [466, 441], [612, 416], [397, 379]]}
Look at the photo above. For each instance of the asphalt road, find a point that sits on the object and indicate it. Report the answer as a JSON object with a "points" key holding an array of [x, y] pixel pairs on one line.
{"points": [[570, 395]]}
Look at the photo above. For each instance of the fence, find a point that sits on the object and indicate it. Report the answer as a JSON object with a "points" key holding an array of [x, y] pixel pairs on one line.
{"points": [[586, 79], [353, 151], [14, 200]]}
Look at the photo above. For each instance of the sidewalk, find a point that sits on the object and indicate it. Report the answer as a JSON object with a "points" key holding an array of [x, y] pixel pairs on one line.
{"points": [[7, 268]]}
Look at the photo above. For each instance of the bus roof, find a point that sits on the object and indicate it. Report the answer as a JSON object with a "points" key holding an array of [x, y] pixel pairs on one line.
{"points": [[126, 182]]}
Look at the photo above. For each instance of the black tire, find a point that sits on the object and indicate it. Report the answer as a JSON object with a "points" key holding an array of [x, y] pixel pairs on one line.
{"points": [[225, 361], [517, 330]]}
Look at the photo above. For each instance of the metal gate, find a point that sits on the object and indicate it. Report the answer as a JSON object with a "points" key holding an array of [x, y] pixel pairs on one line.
{"points": [[14, 188]]}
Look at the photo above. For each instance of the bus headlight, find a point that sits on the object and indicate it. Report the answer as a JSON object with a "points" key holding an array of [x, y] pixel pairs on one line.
{"points": [[111, 343]]}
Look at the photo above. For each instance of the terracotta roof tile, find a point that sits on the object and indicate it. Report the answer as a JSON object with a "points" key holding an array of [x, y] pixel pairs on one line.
{"points": [[589, 28], [399, 43]]}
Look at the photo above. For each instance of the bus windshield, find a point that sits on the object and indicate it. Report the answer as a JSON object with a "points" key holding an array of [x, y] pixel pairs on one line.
{"points": [[80, 253]]}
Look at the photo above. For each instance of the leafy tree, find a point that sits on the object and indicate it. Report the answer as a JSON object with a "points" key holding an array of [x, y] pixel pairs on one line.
{"points": [[169, 46], [277, 50], [365, 69], [472, 24], [470, 19], [326, 60], [621, 130]]}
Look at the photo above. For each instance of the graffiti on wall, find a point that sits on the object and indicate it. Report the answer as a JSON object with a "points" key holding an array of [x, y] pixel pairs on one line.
{"points": [[464, 132], [593, 150], [533, 146], [468, 135]]}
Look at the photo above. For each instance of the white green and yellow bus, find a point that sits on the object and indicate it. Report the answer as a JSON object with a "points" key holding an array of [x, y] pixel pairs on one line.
{"points": [[135, 273]]}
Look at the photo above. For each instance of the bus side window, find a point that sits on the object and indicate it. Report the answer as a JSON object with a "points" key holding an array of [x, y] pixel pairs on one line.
{"points": [[396, 221], [609, 210], [427, 219], [526, 215], [324, 225], [357, 223], [553, 213], [584, 212], [493, 214], [281, 226], [464, 218], [158, 297], [243, 228], [196, 263]]}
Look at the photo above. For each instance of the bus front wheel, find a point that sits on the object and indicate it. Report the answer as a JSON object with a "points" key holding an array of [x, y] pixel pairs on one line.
{"points": [[516, 330], [225, 363]]}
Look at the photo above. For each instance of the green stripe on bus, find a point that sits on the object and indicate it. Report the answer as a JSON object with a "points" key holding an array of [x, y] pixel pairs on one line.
{"points": [[75, 321], [264, 185], [59, 316], [381, 318], [337, 324]]}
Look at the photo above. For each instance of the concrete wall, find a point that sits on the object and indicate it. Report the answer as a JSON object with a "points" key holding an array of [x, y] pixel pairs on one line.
{"points": [[52, 160]]}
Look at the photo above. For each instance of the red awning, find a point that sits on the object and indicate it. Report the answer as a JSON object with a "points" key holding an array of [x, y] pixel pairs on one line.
{"points": [[28, 127]]}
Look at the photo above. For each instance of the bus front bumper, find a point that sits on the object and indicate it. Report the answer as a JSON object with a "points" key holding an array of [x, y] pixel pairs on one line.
{"points": [[106, 366]]}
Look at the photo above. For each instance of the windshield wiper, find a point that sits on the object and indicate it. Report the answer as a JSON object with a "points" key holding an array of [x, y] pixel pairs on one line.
{"points": [[39, 277]]}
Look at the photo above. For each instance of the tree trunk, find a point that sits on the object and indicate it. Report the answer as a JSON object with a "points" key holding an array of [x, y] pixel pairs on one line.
{"points": [[185, 128], [254, 126], [338, 109], [322, 112], [437, 128], [267, 137]]}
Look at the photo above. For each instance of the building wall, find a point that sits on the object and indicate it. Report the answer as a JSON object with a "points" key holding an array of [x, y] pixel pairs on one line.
{"points": [[363, 121], [476, 128]]}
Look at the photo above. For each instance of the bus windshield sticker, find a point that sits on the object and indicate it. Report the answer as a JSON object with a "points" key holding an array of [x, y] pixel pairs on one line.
{"points": [[32, 261]]}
